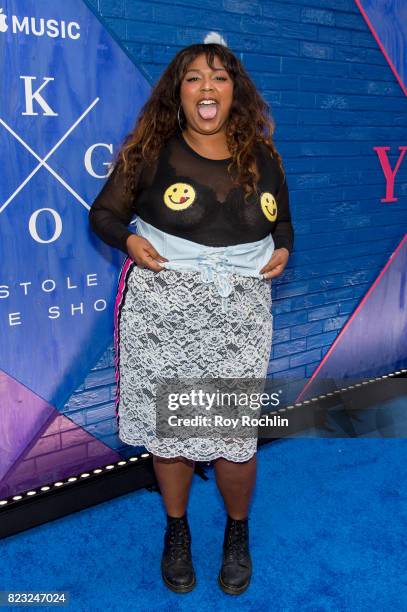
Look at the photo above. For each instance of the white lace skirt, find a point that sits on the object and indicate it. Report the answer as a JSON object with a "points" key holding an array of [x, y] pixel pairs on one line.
{"points": [[170, 324]]}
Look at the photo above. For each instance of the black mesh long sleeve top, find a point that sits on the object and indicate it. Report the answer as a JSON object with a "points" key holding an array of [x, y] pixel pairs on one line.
{"points": [[190, 196]]}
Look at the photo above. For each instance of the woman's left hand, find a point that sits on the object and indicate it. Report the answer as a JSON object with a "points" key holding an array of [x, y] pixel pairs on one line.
{"points": [[277, 263]]}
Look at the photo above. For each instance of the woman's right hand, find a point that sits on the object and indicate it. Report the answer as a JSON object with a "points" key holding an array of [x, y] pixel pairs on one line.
{"points": [[143, 253]]}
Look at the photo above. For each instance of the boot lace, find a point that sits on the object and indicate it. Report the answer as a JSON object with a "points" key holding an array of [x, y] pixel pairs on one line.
{"points": [[178, 540], [236, 542]]}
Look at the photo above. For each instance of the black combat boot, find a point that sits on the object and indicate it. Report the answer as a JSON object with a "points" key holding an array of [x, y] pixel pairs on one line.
{"points": [[234, 576], [176, 563]]}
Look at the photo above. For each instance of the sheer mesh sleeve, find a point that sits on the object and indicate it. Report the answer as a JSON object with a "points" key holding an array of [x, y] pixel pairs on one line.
{"points": [[112, 211], [283, 234]]}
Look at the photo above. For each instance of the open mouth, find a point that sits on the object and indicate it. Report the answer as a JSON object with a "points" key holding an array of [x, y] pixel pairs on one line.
{"points": [[181, 200], [207, 109]]}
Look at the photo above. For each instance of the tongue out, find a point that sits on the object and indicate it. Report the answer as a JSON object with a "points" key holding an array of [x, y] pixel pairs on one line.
{"points": [[207, 111]]}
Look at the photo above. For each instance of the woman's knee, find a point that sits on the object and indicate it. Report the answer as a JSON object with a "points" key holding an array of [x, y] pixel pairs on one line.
{"points": [[185, 460], [227, 462]]}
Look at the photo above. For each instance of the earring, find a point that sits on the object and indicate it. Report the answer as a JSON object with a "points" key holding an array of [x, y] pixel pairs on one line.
{"points": [[179, 121]]}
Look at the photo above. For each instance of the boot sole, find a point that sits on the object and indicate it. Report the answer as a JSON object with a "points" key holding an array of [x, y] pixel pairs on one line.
{"points": [[185, 588], [230, 590]]}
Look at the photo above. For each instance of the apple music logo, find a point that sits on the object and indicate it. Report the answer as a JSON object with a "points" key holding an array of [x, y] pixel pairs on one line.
{"points": [[39, 26]]}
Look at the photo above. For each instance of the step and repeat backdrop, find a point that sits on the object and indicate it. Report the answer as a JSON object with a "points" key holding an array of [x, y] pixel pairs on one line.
{"points": [[69, 94]]}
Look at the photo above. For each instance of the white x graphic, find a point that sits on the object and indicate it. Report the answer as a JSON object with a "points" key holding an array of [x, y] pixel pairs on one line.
{"points": [[43, 161]]}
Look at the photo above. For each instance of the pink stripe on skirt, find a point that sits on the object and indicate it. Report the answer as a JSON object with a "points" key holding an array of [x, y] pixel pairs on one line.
{"points": [[127, 265]]}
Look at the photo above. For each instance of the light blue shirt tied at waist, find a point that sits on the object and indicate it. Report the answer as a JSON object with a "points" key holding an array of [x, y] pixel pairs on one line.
{"points": [[216, 264]]}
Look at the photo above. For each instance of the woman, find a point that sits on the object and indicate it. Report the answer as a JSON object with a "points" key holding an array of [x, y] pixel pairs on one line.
{"points": [[202, 175]]}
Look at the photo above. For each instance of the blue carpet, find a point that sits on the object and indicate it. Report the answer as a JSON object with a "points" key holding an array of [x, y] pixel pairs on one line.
{"points": [[328, 526]]}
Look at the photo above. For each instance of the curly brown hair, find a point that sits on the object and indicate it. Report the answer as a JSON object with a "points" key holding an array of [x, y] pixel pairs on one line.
{"points": [[249, 121]]}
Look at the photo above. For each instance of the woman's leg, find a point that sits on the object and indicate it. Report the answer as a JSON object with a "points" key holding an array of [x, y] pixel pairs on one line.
{"points": [[174, 478], [236, 482]]}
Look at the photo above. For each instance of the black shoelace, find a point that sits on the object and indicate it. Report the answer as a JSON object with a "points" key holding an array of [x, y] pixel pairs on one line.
{"points": [[178, 540], [236, 545]]}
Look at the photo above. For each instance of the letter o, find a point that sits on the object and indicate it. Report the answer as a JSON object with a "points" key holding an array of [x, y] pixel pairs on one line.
{"points": [[52, 287], [104, 305], [32, 225]]}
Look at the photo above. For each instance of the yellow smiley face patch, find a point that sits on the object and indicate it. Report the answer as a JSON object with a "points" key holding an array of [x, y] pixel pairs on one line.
{"points": [[179, 196], [268, 205]]}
